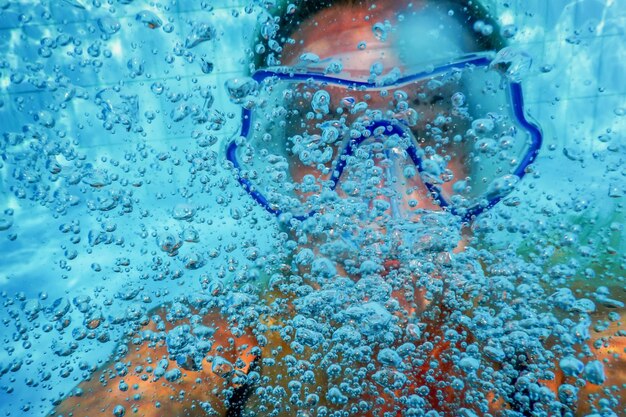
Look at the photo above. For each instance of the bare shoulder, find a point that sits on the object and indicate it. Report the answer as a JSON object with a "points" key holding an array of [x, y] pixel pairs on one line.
{"points": [[173, 367]]}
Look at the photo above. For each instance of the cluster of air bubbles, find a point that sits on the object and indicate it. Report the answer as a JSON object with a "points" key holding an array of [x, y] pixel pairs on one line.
{"points": [[372, 297], [118, 107], [483, 28]]}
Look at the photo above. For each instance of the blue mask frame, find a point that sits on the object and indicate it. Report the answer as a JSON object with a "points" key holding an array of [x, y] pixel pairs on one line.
{"points": [[479, 60]]}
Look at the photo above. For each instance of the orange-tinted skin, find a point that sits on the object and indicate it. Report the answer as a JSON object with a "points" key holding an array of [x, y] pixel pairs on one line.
{"points": [[100, 394], [612, 354]]}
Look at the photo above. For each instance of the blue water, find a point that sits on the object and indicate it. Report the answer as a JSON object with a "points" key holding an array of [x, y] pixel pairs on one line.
{"points": [[116, 198]]}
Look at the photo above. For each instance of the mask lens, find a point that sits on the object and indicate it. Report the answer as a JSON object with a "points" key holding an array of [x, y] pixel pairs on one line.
{"points": [[471, 140], [290, 147], [461, 135]]}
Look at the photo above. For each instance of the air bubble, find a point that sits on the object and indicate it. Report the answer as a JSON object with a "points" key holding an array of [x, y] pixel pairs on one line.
{"points": [[149, 19], [508, 31], [309, 58], [483, 125], [568, 394], [119, 411], [75, 3], [594, 372], [469, 365], [503, 185], [570, 366], [376, 69], [458, 99], [320, 102], [157, 88], [513, 63], [135, 65], [109, 25], [200, 33], [242, 89], [169, 244], [380, 31], [5, 223], [206, 66]]}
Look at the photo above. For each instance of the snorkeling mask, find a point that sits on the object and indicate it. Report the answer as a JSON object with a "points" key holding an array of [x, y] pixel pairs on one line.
{"points": [[458, 129]]}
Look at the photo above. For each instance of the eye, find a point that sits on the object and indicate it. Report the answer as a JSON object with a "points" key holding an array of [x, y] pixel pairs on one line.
{"points": [[434, 100], [437, 98]]}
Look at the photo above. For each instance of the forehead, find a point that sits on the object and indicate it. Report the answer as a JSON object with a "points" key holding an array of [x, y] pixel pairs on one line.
{"points": [[395, 33]]}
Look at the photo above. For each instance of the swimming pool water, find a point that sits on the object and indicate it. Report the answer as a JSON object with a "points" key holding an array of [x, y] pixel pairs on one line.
{"points": [[116, 198]]}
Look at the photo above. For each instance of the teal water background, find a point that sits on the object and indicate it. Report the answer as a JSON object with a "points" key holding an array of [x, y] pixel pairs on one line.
{"points": [[97, 234]]}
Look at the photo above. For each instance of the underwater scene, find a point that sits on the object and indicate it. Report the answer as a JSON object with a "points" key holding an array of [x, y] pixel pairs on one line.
{"points": [[312, 208]]}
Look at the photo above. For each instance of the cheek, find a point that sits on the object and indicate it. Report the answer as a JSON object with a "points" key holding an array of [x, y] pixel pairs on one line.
{"points": [[459, 172], [419, 198]]}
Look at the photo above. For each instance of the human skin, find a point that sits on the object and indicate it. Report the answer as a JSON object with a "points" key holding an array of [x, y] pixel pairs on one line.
{"points": [[147, 395]]}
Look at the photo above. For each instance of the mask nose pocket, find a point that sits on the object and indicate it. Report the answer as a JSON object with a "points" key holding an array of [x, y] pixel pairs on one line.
{"points": [[385, 169]]}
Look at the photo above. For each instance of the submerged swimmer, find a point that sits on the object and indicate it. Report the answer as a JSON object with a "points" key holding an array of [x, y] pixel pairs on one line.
{"points": [[373, 130]]}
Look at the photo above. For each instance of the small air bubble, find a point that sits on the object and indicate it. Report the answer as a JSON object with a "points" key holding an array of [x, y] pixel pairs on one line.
{"points": [[119, 411]]}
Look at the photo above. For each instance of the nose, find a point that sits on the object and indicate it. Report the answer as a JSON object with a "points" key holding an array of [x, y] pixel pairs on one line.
{"points": [[384, 166], [402, 185]]}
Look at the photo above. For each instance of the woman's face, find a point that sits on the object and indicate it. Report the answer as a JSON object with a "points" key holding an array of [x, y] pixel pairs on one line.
{"points": [[400, 35]]}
